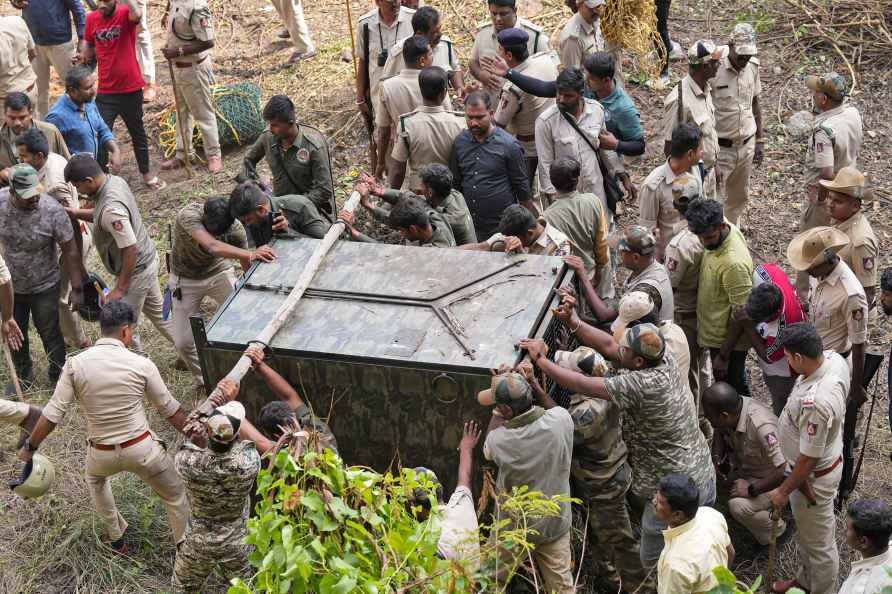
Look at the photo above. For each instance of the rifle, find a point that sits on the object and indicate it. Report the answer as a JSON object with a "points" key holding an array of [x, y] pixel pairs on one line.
{"points": [[872, 364]]}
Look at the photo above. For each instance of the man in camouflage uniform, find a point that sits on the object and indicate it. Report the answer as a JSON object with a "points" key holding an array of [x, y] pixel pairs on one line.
{"points": [[517, 111], [835, 143], [219, 481], [599, 472], [297, 156], [662, 432]]}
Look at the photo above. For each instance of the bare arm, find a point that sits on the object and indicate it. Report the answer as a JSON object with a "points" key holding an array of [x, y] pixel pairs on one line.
{"points": [[775, 478], [397, 175], [178, 419], [221, 249], [277, 384], [122, 282], [576, 382], [470, 437], [135, 12], [805, 465], [757, 114], [82, 214], [72, 257], [251, 433]]}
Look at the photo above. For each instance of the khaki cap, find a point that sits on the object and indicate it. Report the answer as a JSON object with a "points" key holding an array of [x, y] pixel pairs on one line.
{"points": [[583, 360], [704, 50], [634, 305], [848, 181], [807, 249]]}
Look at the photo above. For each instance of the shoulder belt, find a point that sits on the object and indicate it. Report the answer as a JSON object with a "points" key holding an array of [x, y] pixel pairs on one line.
{"points": [[403, 119]]}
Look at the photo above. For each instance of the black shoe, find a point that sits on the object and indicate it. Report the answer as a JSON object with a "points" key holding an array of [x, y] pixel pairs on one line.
{"points": [[119, 546]]}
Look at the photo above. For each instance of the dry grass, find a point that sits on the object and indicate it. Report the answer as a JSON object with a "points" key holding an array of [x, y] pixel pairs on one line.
{"points": [[53, 545]]}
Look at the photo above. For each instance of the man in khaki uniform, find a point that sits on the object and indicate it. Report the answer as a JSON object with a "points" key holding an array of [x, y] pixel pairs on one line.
{"points": [[400, 95], [17, 49], [557, 138], [123, 244], [835, 143], [110, 382], [426, 22], [696, 107], [846, 192], [683, 255], [18, 113], [503, 15], [377, 33], [582, 33], [811, 440], [746, 442], [517, 111], [292, 14], [738, 118], [425, 135], [190, 36], [657, 198]]}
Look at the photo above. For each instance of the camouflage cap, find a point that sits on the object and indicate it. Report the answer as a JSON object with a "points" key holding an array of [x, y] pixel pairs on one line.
{"points": [[583, 360], [225, 421], [703, 51], [686, 188], [24, 181], [509, 388], [645, 340], [592, 3], [639, 240], [743, 36], [831, 84], [634, 305]]}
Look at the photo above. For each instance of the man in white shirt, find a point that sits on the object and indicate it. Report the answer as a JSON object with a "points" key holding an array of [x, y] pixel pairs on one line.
{"points": [[697, 539], [868, 528]]}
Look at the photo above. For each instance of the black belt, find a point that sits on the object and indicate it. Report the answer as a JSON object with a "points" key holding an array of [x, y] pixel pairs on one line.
{"points": [[728, 143]]}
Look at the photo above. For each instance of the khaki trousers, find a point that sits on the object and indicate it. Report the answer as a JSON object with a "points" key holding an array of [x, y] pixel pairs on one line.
{"points": [[13, 413], [57, 56], [555, 563], [68, 320], [193, 291], [149, 461], [144, 51], [292, 14], [736, 165], [699, 370], [814, 214], [194, 97], [816, 535], [754, 515], [145, 297]]}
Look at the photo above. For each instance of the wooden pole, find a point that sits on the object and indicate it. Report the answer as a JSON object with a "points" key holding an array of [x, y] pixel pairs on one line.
{"points": [[181, 123], [269, 331], [352, 38], [12, 371]]}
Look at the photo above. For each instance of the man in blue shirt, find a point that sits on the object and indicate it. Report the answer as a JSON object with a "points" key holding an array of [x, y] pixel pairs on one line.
{"points": [[77, 118], [489, 168], [50, 24]]}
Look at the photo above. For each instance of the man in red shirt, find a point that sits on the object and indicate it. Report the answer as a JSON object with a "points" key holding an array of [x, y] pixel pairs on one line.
{"points": [[111, 39]]}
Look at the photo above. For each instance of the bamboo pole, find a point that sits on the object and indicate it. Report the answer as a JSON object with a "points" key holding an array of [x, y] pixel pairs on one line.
{"points": [[281, 316], [12, 372]]}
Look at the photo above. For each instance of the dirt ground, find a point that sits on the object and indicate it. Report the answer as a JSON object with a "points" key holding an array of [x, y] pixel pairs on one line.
{"points": [[54, 544]]}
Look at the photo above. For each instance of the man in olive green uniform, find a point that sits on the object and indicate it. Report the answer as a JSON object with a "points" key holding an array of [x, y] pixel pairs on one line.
{"points": [[846, 192], [811, 441], [683, 255], [738, 118], [190, 36], [123, 244], [746, 443], [297, 156], [264, 215], [204, 239], [425, 135], [835, 143], [517, 111], [600, 474], [411, 215], [503, 15], [691, 102]]}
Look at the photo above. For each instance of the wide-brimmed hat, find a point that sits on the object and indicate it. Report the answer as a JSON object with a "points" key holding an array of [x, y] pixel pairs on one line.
{"points": [[848, 181], [807, 249]]}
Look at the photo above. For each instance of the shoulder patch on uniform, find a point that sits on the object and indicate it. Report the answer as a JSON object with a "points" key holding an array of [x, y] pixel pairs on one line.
{"points": [[118, 225], [303, 155], [812, 428], [771, 439], [857, 315], [671, 264], [867, 262], [808, 401]]}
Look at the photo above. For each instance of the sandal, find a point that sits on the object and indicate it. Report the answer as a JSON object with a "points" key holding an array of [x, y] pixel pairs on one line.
{"points": [[156, 184]]}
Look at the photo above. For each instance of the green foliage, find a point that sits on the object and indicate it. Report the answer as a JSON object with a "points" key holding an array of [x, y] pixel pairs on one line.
{"points": [[326, 528], [761, 20], [728, 584]]}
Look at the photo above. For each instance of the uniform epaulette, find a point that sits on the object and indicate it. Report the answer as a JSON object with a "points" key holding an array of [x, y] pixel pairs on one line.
{"points": [[532, 26], [460, 114], [367, 15], [826, 129], [313, 136], [483, 26], [446, 40], [403, 119], [755, 60]]}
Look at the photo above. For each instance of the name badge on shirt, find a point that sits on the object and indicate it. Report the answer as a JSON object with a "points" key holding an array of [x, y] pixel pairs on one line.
{"points": [[303, 155]]}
